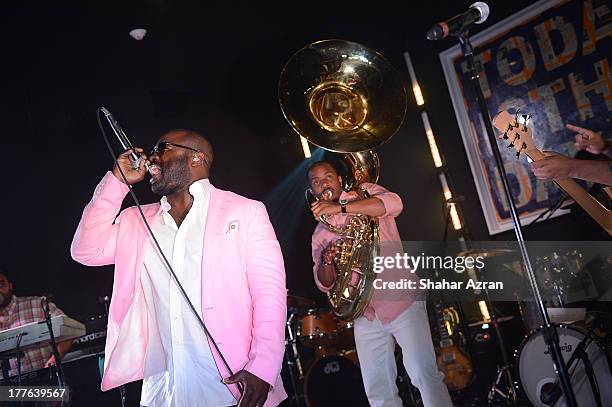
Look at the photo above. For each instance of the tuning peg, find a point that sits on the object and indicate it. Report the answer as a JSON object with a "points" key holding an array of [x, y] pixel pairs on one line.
{"points": [[526, 118], [523, 147], [516, 137], [516, 116]]}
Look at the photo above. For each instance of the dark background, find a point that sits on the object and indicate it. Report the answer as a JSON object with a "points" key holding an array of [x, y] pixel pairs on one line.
{"points": [[212, 68]]}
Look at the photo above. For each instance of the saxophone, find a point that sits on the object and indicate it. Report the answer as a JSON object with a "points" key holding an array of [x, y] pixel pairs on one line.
{"points": [[346, 98]]}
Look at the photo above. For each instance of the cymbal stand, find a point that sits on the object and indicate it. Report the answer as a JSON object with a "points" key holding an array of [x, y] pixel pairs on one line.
{"points": [[503, 387], [294, 364]]}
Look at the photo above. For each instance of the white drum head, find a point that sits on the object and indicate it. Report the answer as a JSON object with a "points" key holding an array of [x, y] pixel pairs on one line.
{"points": [[536, 369]]}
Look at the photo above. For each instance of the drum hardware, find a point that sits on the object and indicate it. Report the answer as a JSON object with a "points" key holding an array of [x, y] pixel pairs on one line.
{"points": [[551, 393], [294, 364], [591, 380], [500, 319], [502, 388], [333, 344]]}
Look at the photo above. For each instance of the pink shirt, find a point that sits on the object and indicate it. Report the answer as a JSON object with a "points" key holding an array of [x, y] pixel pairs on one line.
{"points": [[387, 306]]}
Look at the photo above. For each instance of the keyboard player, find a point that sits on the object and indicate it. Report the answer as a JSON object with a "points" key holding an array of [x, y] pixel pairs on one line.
{"points": [[17, 311]]}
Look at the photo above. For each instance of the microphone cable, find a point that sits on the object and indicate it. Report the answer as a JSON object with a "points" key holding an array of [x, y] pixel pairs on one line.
{"points": [[168, 266], [551, 210]]}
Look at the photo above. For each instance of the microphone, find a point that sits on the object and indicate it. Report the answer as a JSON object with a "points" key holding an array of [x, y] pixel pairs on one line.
{"points": [[122, 137], [476, 14]]}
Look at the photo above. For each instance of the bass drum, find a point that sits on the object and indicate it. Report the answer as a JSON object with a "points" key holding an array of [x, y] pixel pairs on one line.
{"points": [[535, 368], [334, 381]]}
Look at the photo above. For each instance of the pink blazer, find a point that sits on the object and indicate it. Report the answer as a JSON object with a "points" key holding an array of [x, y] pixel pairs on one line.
{"points": [[244, 302]]}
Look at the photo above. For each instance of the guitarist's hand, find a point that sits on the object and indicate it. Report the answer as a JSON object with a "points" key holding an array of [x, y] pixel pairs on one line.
{"points": [[588, 140], [553, 166]]}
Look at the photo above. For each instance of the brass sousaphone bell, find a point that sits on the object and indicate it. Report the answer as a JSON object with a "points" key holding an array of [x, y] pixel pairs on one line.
{"points": [[346, 98]]}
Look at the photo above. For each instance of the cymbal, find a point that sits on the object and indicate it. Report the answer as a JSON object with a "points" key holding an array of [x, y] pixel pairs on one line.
{"points": [[299, 302], [500, 319]]}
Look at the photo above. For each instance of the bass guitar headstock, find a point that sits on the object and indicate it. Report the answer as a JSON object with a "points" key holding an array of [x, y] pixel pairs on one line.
{"points": [[515, 130]]}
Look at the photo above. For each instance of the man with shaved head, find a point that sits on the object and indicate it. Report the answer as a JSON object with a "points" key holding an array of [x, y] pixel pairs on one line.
{"points": [[221, 248]]}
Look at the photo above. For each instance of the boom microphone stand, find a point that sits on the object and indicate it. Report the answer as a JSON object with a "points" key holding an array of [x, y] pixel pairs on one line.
{"points": [[61, 379], [551, 337]]}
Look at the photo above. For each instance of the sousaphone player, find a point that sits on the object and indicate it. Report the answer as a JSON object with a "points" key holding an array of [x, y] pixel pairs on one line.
{"points": [[347, 98]]}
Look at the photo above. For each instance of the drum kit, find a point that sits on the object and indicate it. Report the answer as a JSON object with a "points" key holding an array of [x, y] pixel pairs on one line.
{"points": [[333, 363], [529, 374]]}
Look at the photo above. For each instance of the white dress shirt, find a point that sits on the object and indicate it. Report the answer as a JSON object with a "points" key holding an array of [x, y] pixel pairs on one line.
{"points": [[179, 367]]}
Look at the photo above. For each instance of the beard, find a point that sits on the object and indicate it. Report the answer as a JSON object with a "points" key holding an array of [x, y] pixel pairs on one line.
{"points": [[5, 299], [174, 176]]}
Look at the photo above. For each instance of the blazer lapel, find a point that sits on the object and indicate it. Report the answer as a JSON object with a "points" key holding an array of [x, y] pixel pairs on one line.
{"points": [[212, 230]]}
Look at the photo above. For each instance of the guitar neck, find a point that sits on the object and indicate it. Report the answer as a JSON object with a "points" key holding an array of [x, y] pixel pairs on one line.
{"points": [[444, 337], [592, 206]]}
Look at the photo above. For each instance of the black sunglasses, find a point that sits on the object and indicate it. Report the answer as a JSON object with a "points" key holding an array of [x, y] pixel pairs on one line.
{"points": [[163, 146]]}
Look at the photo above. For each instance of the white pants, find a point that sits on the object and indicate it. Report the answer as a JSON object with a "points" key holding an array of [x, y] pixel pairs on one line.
{"points": [[375, 348]]}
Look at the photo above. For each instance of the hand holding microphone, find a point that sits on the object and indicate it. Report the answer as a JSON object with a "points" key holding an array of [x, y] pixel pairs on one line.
{"points": [[126, 160], [133, 162]]}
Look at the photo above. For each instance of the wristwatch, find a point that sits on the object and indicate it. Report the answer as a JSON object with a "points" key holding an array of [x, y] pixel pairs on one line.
{"points": [[343, 203]]}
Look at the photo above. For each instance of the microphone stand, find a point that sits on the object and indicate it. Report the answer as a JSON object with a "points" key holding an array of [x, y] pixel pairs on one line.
{"points": [[61, 379], [293, 362], [551, 337], [122, 388]]}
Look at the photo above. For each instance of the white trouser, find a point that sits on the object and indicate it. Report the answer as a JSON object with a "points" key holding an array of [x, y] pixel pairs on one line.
{"points": [[375, 348]]}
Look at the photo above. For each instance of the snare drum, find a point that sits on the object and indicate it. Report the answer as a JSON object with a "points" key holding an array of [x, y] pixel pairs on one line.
{"points": [[318, 327], [536, 372]]}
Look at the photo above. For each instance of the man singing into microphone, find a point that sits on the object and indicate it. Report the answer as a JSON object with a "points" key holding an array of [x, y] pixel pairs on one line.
{"points": [[386, 319], [225, 254]]}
